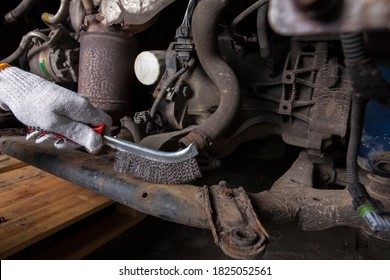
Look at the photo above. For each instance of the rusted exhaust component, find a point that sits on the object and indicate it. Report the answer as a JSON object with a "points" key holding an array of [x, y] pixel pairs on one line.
{"points": [[106, 71], [204, 30]]}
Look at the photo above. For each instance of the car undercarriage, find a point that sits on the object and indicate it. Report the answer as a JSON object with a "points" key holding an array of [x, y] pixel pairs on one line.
{"points": [[248, 79]]}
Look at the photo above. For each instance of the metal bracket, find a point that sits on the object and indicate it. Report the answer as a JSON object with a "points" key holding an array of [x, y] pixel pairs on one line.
{"points": [[234, 223]]}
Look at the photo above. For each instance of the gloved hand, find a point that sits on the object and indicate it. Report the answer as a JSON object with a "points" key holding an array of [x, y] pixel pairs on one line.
{"points": [[42, 104]]}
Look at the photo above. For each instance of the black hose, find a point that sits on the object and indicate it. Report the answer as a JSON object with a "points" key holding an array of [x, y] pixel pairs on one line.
{"points": [[356, 126], [353, 47], [355, 52], [19, 11], [357, 190], [367, 81], [204, 29], [262, 34]]}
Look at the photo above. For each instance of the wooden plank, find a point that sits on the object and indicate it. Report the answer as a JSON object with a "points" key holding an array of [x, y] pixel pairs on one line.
{"points": [[27, 189], [18, 234], [8, 163], [3, 157], [19, 175], [36, 204], [86, 241], [38, 201]]}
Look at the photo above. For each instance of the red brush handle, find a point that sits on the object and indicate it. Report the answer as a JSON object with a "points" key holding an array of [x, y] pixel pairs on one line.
{"points": [[43, 132], [98, 129]]}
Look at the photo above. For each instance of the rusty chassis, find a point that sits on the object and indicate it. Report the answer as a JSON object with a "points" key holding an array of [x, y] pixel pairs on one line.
{"points": [[231, 213]]}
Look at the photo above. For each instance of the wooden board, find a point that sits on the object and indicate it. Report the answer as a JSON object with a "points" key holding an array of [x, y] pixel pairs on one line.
{"points": [[89, 239], [8, 163], [35, 204]]}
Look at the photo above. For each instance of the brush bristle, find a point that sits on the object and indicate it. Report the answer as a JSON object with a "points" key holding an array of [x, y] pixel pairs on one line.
{"points": [[157, 172]]}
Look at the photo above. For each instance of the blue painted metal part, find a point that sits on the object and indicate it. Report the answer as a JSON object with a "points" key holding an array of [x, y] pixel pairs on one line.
{"points": [[376, 131], [385, 71]]}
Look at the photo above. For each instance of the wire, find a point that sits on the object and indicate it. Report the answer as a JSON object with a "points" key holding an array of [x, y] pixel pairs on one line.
{"points": [[189, 12], [244, 14], [25, 43], [164, 89]]}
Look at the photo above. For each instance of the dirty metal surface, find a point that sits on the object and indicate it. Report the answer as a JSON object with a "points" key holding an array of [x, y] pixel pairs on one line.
{"points": [[106, 73], [316, 96], [130, 12], [289, 18], [234, 224], [292, 198], [179, 203]]}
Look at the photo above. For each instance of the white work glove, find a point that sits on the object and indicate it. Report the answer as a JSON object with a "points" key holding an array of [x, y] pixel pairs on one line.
{"points": [[41, 104]]}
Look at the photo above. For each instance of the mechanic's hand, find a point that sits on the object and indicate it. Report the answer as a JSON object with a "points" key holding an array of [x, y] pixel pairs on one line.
{"points": [[39, 103]]}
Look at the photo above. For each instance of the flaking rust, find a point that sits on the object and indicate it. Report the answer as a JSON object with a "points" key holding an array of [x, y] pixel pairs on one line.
{"points": [[234, 223]]}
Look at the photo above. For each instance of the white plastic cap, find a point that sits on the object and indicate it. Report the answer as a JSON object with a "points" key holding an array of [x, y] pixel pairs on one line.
{"points": [[149, 67]]}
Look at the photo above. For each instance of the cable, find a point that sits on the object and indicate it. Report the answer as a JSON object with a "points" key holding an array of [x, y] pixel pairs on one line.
{"points": [[355, 52], [262, 36], [189, 12], [164, 89], [24, 45], [182, 36], [233, 25], [356, 126]]}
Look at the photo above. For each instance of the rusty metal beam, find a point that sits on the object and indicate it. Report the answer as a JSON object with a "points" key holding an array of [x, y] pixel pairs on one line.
{"points": [[232, 219], [289, 200], [293, 198], [183, 204], [227, 212]]}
